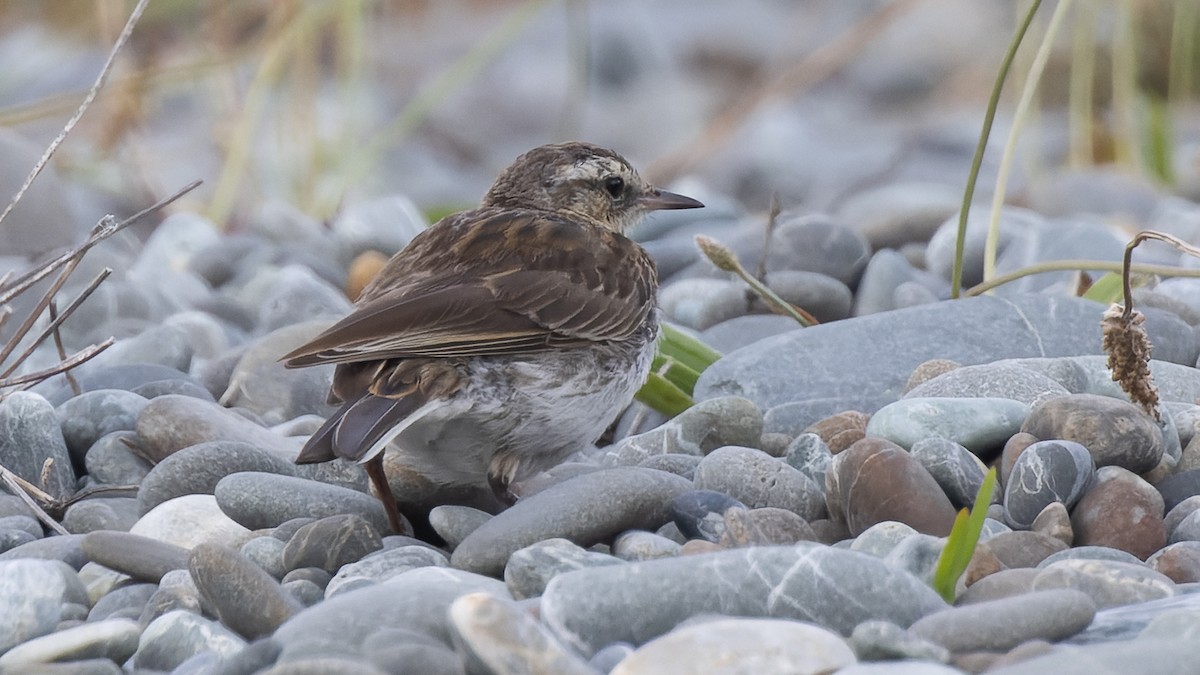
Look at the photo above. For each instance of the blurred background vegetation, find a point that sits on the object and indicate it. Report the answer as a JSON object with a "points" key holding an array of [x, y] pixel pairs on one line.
{"points": [[315, 103]]}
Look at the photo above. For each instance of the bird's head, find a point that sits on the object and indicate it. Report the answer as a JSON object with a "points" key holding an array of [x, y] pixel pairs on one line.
{"points": [[582, 180]]}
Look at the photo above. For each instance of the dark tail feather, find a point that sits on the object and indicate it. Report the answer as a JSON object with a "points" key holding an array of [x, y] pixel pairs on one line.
{"points": [[319, 447], [366, 421]]}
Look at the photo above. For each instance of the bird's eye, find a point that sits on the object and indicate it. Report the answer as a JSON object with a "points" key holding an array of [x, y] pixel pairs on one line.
{"points": [[614, 185]]}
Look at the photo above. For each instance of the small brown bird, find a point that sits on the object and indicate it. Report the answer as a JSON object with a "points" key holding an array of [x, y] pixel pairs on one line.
{"points": [[503, 338]]}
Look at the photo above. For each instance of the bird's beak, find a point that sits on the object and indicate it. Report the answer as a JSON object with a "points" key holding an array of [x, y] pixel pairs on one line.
{"points": [[661, 200]]}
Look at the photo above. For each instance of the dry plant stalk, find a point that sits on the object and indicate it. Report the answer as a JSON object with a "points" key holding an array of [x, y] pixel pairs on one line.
{"points": [[725, 259], [1124, 338]]}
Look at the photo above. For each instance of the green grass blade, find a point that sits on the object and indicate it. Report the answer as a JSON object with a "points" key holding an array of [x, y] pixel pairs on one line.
{"points": [[659, 394], [964, 536], [678, 345]]}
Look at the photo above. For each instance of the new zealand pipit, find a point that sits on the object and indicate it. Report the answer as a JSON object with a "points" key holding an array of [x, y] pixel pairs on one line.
{"points": [[503, 338]]}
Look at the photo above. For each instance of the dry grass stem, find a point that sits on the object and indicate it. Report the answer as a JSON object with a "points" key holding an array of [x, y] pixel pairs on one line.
{"points": [[134, 16], [724, 259]]}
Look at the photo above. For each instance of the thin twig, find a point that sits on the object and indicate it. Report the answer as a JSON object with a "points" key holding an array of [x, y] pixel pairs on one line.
{"points": [[26, 491], [62, 352], [103, 230], [81, 356], [55, 322], [760, 270], [1127, 262], [87, 101], [1073, 265]]}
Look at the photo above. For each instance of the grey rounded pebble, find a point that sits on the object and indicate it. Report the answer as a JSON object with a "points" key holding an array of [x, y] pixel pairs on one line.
{"points": [[531, 568], [330, 543], [65, 548], [885, 641], [177, 636], [382, 565], [1158, 656], [415, 600], [261, 500], [127, 599], [170, 423], [1109, 583], [32, 593], [101, 513], [1045, 472], [1116, 432], [641, 545], [586, 509], [734, 646], [637, 602], [197, 470], [114, 639], [981, 425], [112, 461], [267, 553], [32, 437], [1000, 625], [246, 598], [958, 471], [92, 414], [500, 635], [453, 522], [139, 557], [756, 479]]}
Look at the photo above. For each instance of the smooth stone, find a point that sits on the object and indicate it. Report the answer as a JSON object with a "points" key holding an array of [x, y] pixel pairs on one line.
{"points": [[260, 500], [298, 294], [197, 470], [32, 443], [700, 514], [808, 453], [999, 625], [1091, 553], [101, 513], [92, 414], [124, 601], [1054, 521], [635, 545], [815, 243], [140, 557], [758, 480], [1005, 583], [841, 430], [672, 462], [732, 646], [530, 569], [1045, 472], [262, 384], [958, 471], [847, 359], [885, 641], [1180, 562], [177, 636], [875, 480], [177, 591], [699, 430], [1109, 583], [416, 600], [764, 527], [500, 635], [453, 522], [399, 650], [189, 520], [384, 224], [32, 594], [982, 425], [1023, 548], [586, 509], [114, 639], [246, 598], [637, 602], [382, 565], [1158, 656], [700, 304], [170, 423], [881, 538], [825, 298], [267, 553], [1179, 487], [740, 331], [1117, 433], [832, 419], [894, 214], [1001, 379], [882, 280], [331, 542], [125, 377], [112, 460], [1122, 511], [65, 548]]}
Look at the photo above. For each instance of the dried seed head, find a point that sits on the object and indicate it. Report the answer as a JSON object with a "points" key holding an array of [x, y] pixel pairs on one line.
{"points": [[1128, 348], [717, 253]]}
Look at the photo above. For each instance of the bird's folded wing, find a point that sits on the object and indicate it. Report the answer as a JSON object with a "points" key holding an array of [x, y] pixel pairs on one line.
{"points": [[524, 303]]}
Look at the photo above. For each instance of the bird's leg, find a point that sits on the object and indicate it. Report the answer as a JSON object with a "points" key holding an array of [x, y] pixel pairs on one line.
{"points": [[379, 480], [500, 489]]}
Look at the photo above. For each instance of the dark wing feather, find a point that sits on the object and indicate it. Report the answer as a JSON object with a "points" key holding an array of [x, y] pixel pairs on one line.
{"points": [[494, 282]]}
